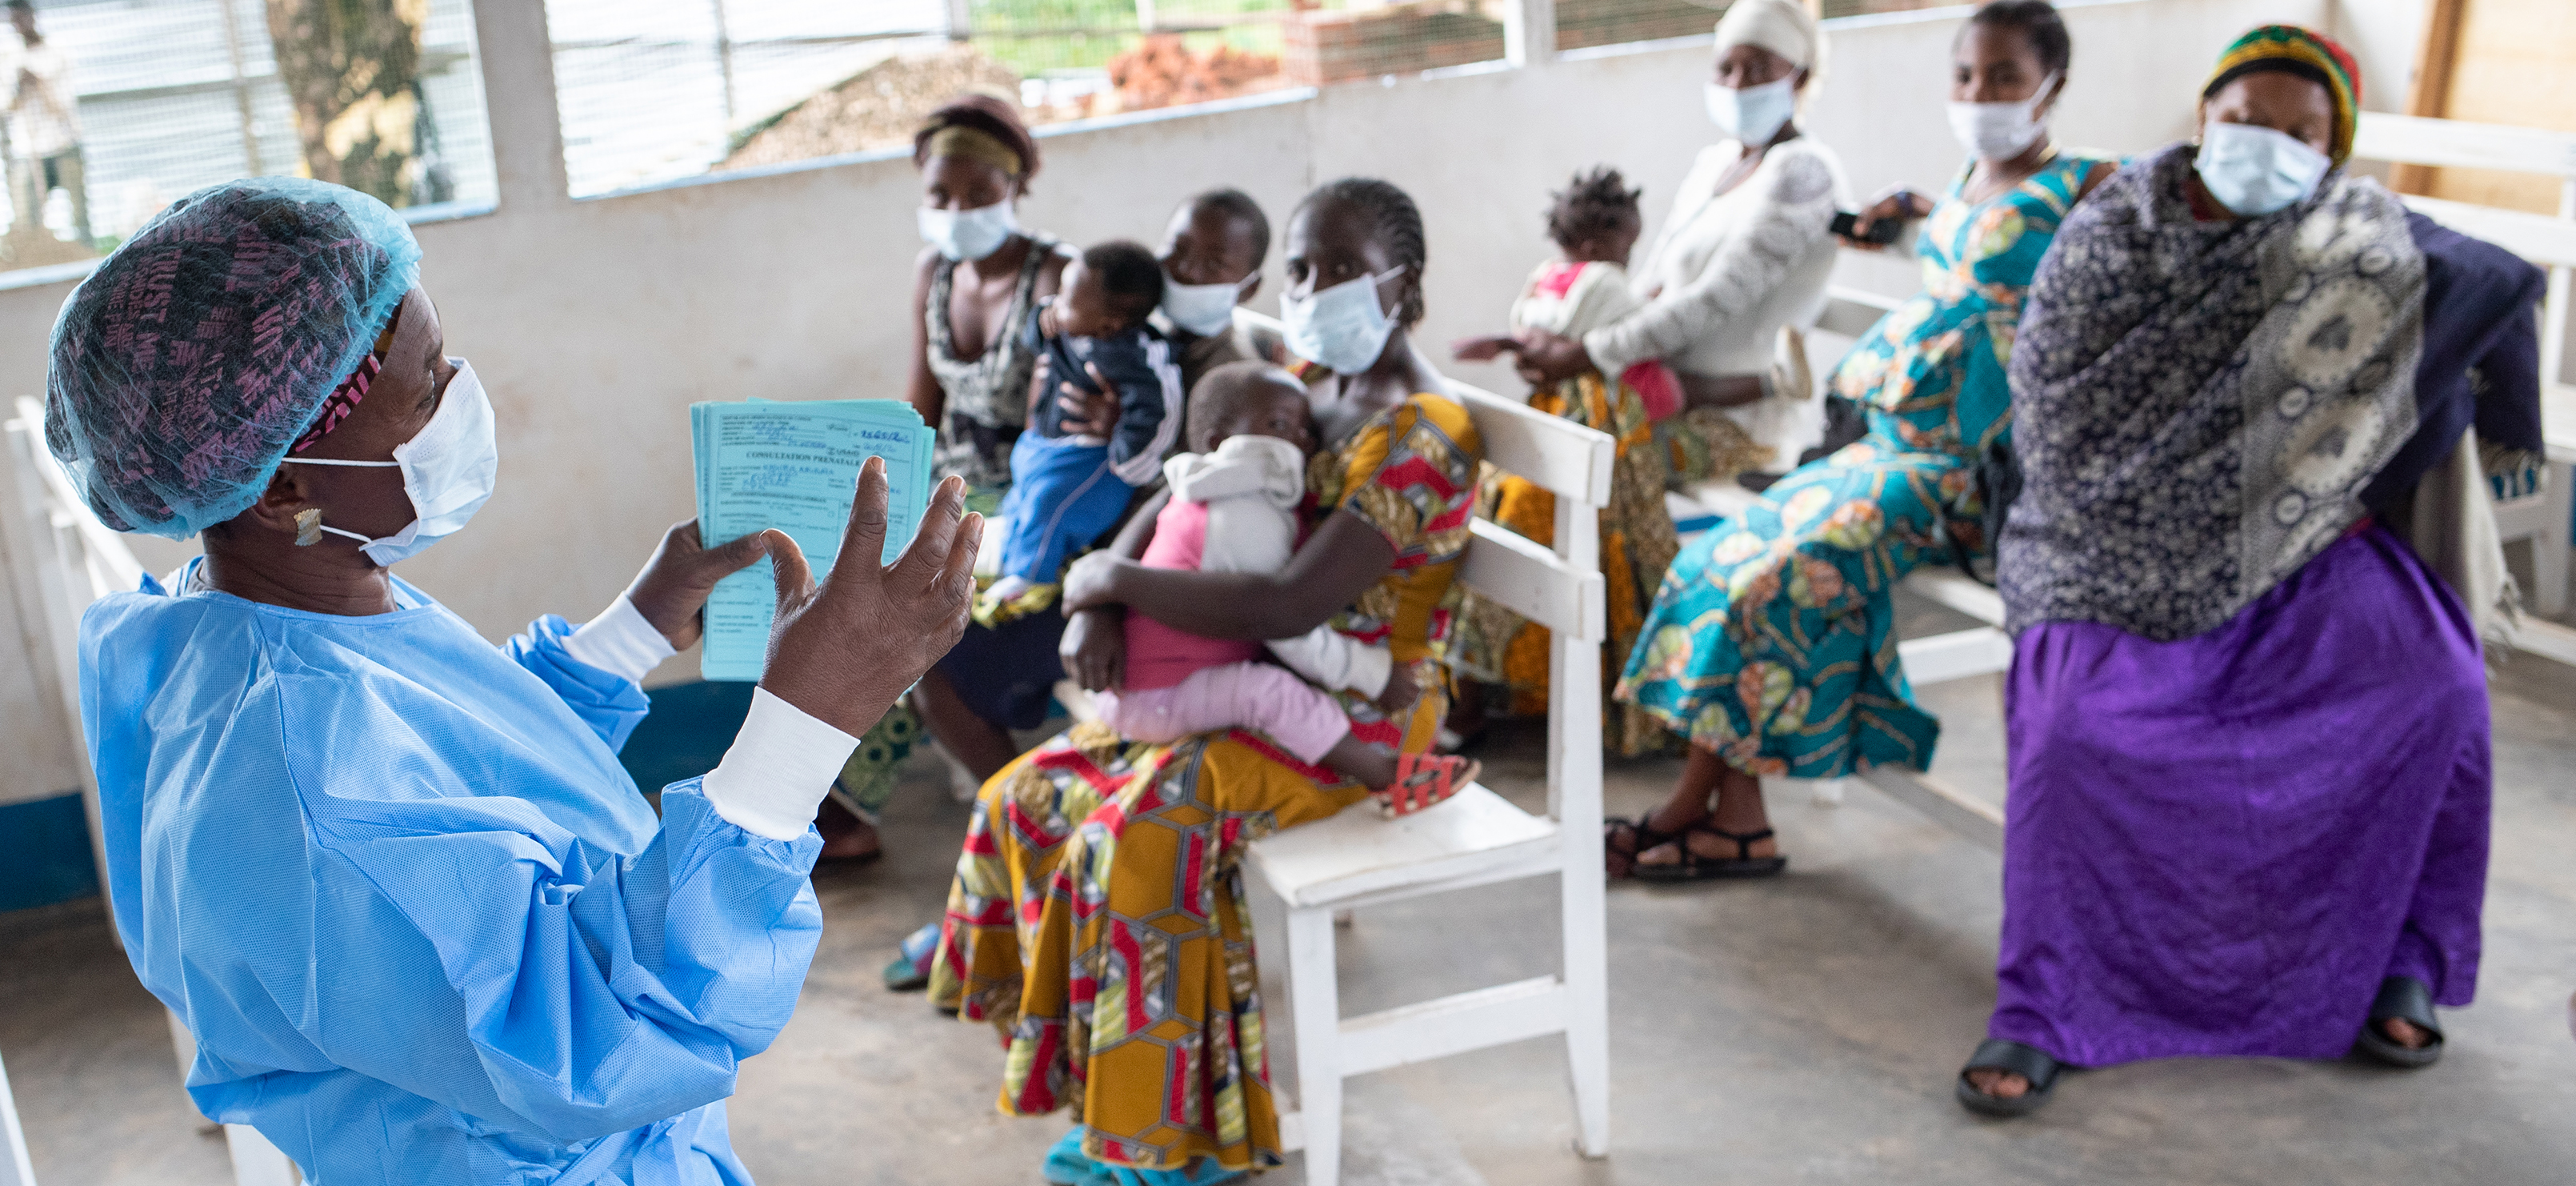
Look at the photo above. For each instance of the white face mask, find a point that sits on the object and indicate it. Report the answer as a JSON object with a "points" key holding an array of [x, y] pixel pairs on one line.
{"points": [[2253, 170], [2000, 131], [1203, 309], [1755, 114], [448, 470], [1342, 327], [965, 235]]}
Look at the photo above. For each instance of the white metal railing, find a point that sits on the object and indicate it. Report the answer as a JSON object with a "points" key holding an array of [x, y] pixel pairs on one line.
{"points": [[64, 558]]}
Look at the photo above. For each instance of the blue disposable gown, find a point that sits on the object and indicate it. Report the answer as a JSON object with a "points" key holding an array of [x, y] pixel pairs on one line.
{"points": [[421, 923]]}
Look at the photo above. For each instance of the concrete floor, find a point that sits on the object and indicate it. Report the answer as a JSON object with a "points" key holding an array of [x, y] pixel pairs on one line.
{"points": [[1804, 1029]]}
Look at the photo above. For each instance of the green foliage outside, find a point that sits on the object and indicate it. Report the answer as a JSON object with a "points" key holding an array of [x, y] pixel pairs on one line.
{"points": [[1034, 37]]}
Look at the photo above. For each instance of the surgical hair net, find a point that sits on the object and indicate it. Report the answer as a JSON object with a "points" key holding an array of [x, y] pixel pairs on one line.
{"points": [[186, 364]]}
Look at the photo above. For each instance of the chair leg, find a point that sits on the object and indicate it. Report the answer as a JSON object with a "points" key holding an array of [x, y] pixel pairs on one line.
{"points": [[1587, 990], [1314, 1000], [2549, 549]]}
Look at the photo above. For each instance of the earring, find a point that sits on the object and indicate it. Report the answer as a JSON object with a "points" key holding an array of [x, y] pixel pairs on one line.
{"points": [[308, 527]]}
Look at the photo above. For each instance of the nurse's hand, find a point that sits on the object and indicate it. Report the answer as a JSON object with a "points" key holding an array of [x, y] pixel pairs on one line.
{"points": [[672, 590], [844, 650]]}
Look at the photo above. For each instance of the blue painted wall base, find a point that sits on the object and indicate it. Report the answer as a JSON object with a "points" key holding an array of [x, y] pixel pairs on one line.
{"points": [[44, 853]]}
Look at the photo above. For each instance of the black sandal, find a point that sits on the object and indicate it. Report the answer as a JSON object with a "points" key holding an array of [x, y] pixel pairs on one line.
{"points": [[2029, 1062], [1694, 867], [2401, 998], [1646, 835]]}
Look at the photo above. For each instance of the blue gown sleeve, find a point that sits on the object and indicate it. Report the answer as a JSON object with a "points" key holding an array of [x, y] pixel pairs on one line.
{"points": [[510, 970], [610, 704]]}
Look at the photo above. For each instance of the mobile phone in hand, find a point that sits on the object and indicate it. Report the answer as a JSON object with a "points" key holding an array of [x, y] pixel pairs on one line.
{"points": [[1882, 232]]}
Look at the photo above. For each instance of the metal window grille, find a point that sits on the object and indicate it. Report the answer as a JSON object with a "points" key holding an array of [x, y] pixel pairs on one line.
{"points": [[170, 96], [658, 90]]}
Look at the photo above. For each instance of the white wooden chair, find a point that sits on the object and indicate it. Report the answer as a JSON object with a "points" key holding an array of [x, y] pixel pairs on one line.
{"points": [[2550, 243], [1476, 838], [15, 1169], [62, 559]]}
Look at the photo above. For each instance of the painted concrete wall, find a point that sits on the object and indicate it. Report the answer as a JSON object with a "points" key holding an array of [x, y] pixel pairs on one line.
{"points": [[594, 324]]}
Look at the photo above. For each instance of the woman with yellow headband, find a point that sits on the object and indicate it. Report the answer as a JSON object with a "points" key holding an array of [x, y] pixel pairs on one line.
{"points": [[2247, 714], [979, 275]]}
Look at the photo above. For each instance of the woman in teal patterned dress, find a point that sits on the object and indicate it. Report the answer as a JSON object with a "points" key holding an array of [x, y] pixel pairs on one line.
{"points": [[1771, 643]]}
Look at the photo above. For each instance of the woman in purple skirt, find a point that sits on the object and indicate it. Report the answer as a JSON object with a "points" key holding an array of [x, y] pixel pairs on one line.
{"points": [[2248, 717]]}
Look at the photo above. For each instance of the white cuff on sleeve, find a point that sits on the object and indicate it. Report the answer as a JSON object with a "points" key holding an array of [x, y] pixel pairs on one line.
{"points": [[1370, 667], [620, 642], [778, 769]]}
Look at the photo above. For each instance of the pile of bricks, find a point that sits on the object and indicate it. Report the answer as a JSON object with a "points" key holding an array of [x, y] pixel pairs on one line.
{"points": [[1582, 24], [1162, 72], [1327, 47]]}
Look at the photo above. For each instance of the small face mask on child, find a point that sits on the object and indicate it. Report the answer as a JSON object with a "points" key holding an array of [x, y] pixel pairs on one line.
{"points": [[1203, 309], [2000, 131], [1342, 327], [2253, 170], [967, 235], [1755, 114], [448, 470]]}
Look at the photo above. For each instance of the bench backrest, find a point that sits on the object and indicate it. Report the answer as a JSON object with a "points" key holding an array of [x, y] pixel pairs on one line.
{"points": [[2544, 241], [1560, 589]]}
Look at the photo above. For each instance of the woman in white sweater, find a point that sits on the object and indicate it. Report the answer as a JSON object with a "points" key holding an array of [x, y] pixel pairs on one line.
{"points": [[1745, 253]]}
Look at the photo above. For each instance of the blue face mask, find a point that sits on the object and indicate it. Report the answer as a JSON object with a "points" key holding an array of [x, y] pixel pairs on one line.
{"points": [[968, 235], [1755, 114], [2254, 171], [1342, 327]]}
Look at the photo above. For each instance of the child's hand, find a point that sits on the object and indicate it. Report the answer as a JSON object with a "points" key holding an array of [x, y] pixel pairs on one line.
{"points": [[1483, 348], [1094, 650], [1401, 692], [1897, 205]]}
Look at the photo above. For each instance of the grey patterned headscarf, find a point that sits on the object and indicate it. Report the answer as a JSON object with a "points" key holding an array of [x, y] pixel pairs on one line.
{"points": [[2198, 405]]}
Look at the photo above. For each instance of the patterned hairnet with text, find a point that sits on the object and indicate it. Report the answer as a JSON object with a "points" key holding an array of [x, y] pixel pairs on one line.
{"points": [[184, 366]]}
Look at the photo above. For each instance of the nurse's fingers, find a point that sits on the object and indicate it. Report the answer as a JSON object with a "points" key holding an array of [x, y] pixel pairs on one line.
{"points": [[863, 537], [795, 577], [956, 587], [928, 553]]}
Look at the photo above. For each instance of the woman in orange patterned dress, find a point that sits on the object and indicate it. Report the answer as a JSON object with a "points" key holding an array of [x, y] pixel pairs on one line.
{"points": [[1098, 917]]}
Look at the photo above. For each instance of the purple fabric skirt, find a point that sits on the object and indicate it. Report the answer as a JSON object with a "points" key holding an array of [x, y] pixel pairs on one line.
{"points": [[2219, 846]]}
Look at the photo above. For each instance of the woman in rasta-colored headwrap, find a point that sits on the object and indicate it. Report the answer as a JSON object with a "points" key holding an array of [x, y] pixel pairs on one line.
{"points": [[2254, 400]]}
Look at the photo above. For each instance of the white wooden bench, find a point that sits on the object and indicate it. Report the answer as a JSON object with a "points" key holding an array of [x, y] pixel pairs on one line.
{"points": [[1940, 658], [2544, 518], [1477, 838], [63, 559]]}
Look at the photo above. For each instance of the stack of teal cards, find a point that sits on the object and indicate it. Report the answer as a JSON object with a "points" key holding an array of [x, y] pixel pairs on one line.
{"points": [[795, 466]]}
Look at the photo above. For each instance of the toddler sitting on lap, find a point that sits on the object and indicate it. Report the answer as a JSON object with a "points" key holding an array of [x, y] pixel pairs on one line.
{"points": [[1234, 509], [1594, 223], [1066, 490]]}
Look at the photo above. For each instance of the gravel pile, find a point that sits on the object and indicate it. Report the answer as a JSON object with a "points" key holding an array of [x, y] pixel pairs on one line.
{"points": [[878, 107]]}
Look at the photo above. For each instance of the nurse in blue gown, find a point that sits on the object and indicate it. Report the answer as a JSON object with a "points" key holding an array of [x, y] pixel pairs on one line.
{"points": [[391, 876]]}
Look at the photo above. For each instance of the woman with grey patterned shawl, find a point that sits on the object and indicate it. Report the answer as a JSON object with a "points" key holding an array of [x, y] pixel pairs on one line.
{"points": [[2248, 720]]}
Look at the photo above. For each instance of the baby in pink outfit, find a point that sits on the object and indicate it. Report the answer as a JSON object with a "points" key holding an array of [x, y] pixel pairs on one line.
{"points": [[1233, 508]]}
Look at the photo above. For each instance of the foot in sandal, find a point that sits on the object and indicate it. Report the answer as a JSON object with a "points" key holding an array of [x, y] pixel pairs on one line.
{"points": [[2005, 1079], [1706, 852], [1423, 780], [1402, 783]]}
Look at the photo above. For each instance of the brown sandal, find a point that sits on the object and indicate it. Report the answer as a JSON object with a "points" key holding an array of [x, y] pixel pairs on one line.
{"points": [[1422, 780]]}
